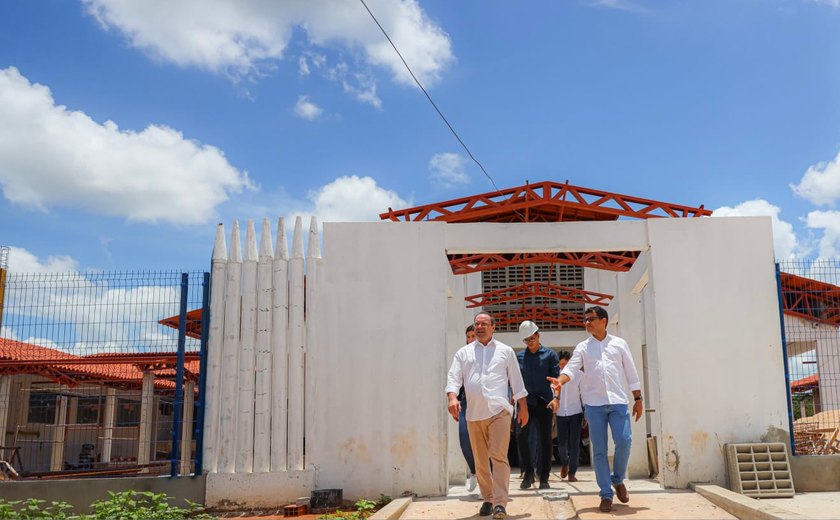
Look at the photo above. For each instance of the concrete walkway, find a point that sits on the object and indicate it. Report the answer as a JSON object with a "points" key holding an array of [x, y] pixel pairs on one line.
{"points": [[569, 501]]}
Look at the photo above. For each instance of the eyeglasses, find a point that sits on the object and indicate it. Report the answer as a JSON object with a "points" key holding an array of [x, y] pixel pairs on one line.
{"points": [[481, 324], [589, 319]]}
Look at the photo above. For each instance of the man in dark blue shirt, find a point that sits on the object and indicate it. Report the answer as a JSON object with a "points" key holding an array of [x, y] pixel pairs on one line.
{"points": [[536, 364]]}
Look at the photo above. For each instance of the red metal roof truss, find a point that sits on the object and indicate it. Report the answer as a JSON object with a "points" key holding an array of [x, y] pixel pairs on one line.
{"points": [[543, 202], [610, 261], [537, 289]]}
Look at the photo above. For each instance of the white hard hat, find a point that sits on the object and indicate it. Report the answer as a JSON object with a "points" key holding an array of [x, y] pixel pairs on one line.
{"points": [[527, 329]]}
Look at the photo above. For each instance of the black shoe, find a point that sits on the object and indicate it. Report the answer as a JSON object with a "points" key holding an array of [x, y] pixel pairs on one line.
{"points": [[499, 512], [544, 484], [527, 482], [486, 509]]}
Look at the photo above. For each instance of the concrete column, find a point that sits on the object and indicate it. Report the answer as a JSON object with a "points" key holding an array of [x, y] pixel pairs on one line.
{"points": [[312, 351], [245, 380], [262, 385], [5, 393], [187, 428], [297, 348], [108, 424], [212, 397], [280, 351], [147, 418], [230, 356], [57, 457]]}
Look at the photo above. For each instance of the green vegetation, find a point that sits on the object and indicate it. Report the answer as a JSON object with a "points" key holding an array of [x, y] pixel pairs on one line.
{"points": [[127, 505], [364, 508]]}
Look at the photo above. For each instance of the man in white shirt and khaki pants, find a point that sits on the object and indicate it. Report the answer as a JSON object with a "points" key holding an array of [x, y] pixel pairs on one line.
{"points": [[486, 368], [606, 362]]}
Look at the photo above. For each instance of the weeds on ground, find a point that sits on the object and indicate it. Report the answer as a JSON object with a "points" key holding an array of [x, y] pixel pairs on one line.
{"points": [[126, 505], [364, 508]]}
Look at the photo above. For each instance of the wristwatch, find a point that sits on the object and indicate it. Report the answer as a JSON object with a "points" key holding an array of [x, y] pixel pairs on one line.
{"points": [[637, 398]]}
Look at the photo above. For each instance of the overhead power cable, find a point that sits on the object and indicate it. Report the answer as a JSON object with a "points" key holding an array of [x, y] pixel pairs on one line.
{"points": [[428, 96]]}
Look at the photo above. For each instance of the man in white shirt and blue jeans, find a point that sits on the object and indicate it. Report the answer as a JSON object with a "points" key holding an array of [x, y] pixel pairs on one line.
{"points": [[485, 368], [606, 361]]}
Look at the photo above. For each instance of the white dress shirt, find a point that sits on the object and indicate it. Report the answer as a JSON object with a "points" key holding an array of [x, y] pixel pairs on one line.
{"points": [[570, 403], [604, 363], [485, 371]]}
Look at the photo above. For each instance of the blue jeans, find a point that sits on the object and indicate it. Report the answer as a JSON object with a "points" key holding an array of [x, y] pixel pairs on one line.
{"points": [[617, 416], [568, 440], [464, 437]]}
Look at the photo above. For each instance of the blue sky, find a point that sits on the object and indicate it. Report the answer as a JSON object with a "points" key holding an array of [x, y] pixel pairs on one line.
{"points": [[129, 129]]}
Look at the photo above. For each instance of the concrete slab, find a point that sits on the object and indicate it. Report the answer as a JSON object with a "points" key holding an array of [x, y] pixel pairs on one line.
{"points": [[647, 501], [664, 504], [812, 505]]}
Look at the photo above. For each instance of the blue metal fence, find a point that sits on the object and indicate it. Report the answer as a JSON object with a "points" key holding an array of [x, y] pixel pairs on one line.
{"points": [[75, 348]]}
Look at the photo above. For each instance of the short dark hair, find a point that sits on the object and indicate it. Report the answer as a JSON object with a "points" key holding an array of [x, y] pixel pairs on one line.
{"points": [[470, 328], [602, 314], [564, 354], [492, 319]]}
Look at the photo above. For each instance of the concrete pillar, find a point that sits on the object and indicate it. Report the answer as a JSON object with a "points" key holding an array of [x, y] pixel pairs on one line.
{"points": [[280, 351], [262, 385], [312, 352], [57, 457], [212, 396], [247, 338], [5, 393], [297, 348], [187, 428], [147, 419], [108, 424], [230, 356]]}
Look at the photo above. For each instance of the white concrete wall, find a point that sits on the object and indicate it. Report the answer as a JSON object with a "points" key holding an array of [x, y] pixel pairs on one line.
{"points": [[718, 339], [380, 423]]}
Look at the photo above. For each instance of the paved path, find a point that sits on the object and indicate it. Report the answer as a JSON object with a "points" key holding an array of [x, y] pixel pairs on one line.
{"points": [[647, 501]]}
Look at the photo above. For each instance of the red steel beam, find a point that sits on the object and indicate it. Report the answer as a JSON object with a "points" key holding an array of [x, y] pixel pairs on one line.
{"points": [[610, 261], [539, 314], [810, 299], [537, 289], [545, 201]]}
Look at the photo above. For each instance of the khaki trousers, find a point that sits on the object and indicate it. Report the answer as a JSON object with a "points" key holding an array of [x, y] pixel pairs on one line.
{"points": [[490, 439]]}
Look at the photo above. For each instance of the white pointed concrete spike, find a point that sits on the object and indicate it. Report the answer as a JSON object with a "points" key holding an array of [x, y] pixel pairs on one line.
{"points": [[266, 249], [282, 246], [251, 241], [314, 245], [235, 244], [297, 239], [219, 245]]}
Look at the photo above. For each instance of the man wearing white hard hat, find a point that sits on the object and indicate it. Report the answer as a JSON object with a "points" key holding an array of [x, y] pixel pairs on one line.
{"points": [[537, 363]]}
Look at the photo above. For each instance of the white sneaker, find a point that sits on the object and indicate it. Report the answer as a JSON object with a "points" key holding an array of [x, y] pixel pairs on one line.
{"points": [[471, 482]]}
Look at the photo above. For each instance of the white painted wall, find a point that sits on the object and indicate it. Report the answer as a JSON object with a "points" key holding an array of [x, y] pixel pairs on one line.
{"points": [[718, 338], [380, 422]]}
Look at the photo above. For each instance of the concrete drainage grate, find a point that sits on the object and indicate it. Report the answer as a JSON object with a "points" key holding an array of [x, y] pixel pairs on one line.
{"points": [[759, 470]]}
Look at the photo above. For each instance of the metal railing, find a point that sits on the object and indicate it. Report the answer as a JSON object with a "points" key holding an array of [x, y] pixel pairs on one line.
{"points": [[810, 306], [101, 373]]}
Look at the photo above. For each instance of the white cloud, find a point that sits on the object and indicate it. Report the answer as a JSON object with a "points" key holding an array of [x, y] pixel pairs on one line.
{"points": [[306, 109], [821, 182], [621, 5], [241, 38], [353, 199], [52, 156], [829, 222], [447, 169], [22, 261], [303, 66], [785, 243], [831, 3]]}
